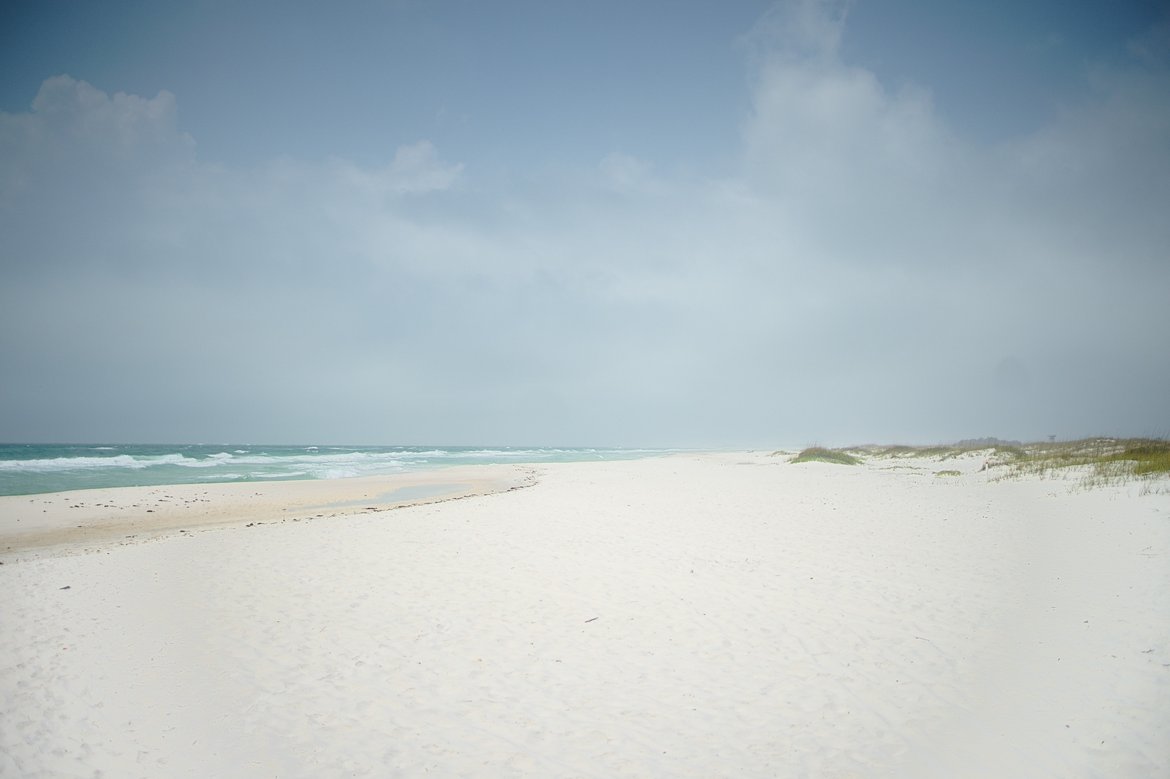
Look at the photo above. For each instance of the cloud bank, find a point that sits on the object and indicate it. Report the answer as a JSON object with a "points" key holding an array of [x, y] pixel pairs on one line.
{"points": [[862, 271]]}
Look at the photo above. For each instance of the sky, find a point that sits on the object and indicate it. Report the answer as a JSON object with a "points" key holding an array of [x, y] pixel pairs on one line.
{"points": [[659, 224]]}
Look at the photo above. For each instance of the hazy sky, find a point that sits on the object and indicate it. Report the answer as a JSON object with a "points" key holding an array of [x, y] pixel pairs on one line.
{"points": [[583, 223]]}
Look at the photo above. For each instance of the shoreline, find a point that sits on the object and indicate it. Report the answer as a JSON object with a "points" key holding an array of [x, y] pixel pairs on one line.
{"points": [[34, 469], [77, 521]]}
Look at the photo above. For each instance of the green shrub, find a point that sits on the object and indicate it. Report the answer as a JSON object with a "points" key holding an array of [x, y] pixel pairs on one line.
{"points": [[1102, 460], [1148, 456], [822, 455]]}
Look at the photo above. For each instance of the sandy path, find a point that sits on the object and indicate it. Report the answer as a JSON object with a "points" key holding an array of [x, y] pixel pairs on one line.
{"points": [[717, 615]]}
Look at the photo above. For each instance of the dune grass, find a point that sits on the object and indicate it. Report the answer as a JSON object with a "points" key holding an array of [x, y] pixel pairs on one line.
{"points": [[1148, 456], [1090, 462], [944, 452], [822, 455], [1095, 461], [1104, 457]]}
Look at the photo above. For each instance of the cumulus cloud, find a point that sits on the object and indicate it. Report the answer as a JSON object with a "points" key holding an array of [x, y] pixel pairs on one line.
{"points": [[130, 264], [415, 168], [943, 259], [74, 115], [75, 131], [862, 271], [122, 122], [807, 32]]}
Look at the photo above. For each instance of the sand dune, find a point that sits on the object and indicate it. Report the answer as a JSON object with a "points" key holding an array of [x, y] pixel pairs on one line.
{"points": [[698, 615]]}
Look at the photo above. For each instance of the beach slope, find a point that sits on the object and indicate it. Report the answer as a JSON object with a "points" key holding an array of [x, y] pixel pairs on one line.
{"points": [[693, 615]]}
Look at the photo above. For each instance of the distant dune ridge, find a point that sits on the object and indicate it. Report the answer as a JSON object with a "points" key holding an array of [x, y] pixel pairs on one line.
{"points": [[694, 615]]}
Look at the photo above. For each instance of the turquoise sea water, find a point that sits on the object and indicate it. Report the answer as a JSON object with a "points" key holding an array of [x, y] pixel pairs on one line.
{"points": [[34, 468]]}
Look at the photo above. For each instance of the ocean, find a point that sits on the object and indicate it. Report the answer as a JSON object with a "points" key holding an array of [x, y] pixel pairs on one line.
{"points": [[27, 469]]}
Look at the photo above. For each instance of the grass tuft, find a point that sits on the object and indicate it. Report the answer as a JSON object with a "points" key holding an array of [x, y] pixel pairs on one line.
{"points": [[1148, 456], [822, 455], [1099, 461], [1092, 461]]}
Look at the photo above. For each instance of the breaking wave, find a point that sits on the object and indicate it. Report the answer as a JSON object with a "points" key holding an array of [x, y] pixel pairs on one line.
{"points": [[34, 468]]}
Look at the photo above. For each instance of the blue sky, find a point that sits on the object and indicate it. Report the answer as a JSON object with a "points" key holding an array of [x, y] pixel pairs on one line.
{"points": [[681, 224]]}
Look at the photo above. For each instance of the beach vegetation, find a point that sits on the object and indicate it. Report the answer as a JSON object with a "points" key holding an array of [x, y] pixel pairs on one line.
{"points": [[902, 450], [898, 450], [1149, 456], [822, 455], [1093, 461]]}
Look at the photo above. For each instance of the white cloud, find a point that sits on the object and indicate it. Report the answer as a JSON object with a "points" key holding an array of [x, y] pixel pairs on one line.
{"points": [[862, 272], [416, 168], [127, 120], [625, 173], [73, 118], [803, 31], [827, 137]]}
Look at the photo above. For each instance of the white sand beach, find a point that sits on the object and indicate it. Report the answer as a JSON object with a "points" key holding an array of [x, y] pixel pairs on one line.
{"points": [[726, 615]]}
